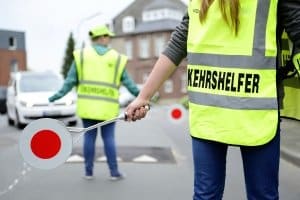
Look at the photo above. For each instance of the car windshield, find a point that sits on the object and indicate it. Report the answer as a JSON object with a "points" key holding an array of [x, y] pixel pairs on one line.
{"points": [[40, 83]]}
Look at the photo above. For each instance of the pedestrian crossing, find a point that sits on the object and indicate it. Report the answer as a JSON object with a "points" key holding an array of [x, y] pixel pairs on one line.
{"points": [[129, 154]]}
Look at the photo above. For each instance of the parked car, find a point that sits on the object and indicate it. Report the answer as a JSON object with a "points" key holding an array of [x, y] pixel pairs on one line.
{"points": [[27, 99], [125, 96], [2, 100]]}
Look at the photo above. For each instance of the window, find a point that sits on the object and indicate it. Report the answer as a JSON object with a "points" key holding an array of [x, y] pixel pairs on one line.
{"points": [[128, 49], [168, 86], [159, 45], [37, 83], [165, 13], [144, 48], [14, 66], [15, 86], [128, 24], [174, 14], [12, 42]]}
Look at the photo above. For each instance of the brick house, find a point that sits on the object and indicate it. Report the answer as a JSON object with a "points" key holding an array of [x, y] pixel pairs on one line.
{"points": [[142, 31], [12, 58]]}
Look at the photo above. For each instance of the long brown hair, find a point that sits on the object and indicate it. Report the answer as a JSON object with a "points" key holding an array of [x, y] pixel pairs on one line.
{"points": [[232, 5]]}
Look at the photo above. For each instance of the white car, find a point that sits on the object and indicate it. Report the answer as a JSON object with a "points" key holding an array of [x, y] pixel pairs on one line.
{"points": [[125, 96], [27, 99]]}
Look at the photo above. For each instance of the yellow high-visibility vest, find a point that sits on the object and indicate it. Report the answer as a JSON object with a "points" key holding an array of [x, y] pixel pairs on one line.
{"points": [[99, 81], [232, 78]]}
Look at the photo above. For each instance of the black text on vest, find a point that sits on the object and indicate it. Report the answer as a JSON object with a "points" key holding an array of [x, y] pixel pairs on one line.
{"points": [[102, 91], [224, 81]]}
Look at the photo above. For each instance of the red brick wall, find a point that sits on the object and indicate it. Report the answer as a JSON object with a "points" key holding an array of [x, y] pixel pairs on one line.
{"points": [[6, 57], [137, 67]]}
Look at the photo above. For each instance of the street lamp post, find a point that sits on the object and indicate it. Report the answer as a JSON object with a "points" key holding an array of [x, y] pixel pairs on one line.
{"points": [[79, 26]]}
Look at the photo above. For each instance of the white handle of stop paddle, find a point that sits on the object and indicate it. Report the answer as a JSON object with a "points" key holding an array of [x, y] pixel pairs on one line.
{"points": [[77, 130]]}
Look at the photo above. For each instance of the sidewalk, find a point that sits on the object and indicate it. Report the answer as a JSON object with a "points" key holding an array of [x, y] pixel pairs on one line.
{"points": [[290, 140]]}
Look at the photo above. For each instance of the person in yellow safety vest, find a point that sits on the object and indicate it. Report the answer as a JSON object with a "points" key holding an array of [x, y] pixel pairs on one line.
{"points": [[97, 72], [231, 50], [287, 68]]}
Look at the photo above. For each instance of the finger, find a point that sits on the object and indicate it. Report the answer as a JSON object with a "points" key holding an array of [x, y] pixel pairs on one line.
{"points": [[136, 115], [143, 112], [128, 114], [140, 113]]}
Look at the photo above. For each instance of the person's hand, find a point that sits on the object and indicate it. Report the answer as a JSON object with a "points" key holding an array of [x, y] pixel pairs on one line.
{"points": [[52, 98], [137, 109]]}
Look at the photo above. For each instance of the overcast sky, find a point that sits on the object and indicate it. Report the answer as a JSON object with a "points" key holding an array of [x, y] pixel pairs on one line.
{"points": [[47, 25]]}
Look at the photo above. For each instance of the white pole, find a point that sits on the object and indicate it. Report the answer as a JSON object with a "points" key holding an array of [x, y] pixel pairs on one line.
{"points": [[79, 26]]}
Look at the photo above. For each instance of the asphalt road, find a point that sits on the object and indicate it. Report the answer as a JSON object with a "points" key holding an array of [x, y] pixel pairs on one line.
{"points": [[155, 154]]}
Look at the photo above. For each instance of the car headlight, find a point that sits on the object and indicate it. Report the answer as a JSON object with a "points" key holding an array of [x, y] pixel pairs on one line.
{"points": [[69, 102], [26, 104]]}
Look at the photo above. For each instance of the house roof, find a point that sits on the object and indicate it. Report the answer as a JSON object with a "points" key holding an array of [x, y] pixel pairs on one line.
{"points": [[136, 9]]}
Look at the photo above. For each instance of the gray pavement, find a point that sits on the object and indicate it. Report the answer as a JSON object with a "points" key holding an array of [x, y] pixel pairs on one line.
{"points": [[162, 179], [290, 140]]}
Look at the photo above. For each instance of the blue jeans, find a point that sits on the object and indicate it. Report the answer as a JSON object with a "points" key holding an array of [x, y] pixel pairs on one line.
{"points": [[108, 137], [261, 169]]}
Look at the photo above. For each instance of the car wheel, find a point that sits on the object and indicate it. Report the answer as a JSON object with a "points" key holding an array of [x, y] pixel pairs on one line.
{"points": [[10, 121], [72, 123], [3, 106], [17, 122]]}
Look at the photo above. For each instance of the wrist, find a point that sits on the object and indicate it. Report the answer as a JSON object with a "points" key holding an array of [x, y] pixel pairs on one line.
{"points": [[143, 97]]}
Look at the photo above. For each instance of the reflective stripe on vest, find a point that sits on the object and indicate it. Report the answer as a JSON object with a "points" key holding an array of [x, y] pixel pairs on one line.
{"points": [[232, 79], [99, 80]]}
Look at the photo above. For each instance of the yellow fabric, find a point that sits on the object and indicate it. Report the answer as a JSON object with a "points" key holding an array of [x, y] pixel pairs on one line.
{"points": [[296, 61], [237, 127], [214, 36], [271, 47], [98, 89], [100, 30], [286, 49], [291, 101]]}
